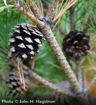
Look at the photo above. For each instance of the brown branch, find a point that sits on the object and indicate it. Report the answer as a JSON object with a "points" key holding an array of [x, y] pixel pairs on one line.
{"points": [[59, 39], [79, 72], [50, 85], [78, 66], [28, 71], [51, 10], [32, 63], [37, 12], [72, 22], [46, 30]]}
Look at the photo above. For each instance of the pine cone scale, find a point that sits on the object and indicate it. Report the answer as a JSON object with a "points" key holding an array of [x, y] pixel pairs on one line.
{"points": [[25, 41], [76, 44]]}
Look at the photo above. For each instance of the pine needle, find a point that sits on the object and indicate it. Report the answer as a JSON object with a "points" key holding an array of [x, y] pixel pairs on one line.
{"points": [[40, 6], [5, 2], [21, 74], [65, 7]]}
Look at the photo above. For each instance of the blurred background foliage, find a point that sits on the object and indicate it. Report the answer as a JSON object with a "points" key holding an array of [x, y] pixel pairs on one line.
{"points": [[46, 64]]}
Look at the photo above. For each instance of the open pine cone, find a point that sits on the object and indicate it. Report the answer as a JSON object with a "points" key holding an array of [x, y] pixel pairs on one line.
{"points": [[25, 41], [76, 44], [15, 85]]}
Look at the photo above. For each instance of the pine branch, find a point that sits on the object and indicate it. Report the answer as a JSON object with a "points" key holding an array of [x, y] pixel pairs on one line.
{"points": [[46, 30], [37, 12], [50, 85], [32, 63], [72, 22], [61, 58], [28, 71], [78, 66], [79, 72], [51, 10]]}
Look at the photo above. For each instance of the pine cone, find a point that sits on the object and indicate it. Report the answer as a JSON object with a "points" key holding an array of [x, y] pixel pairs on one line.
{"points": [[15, 85], [76, 44], [25, 41]]}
